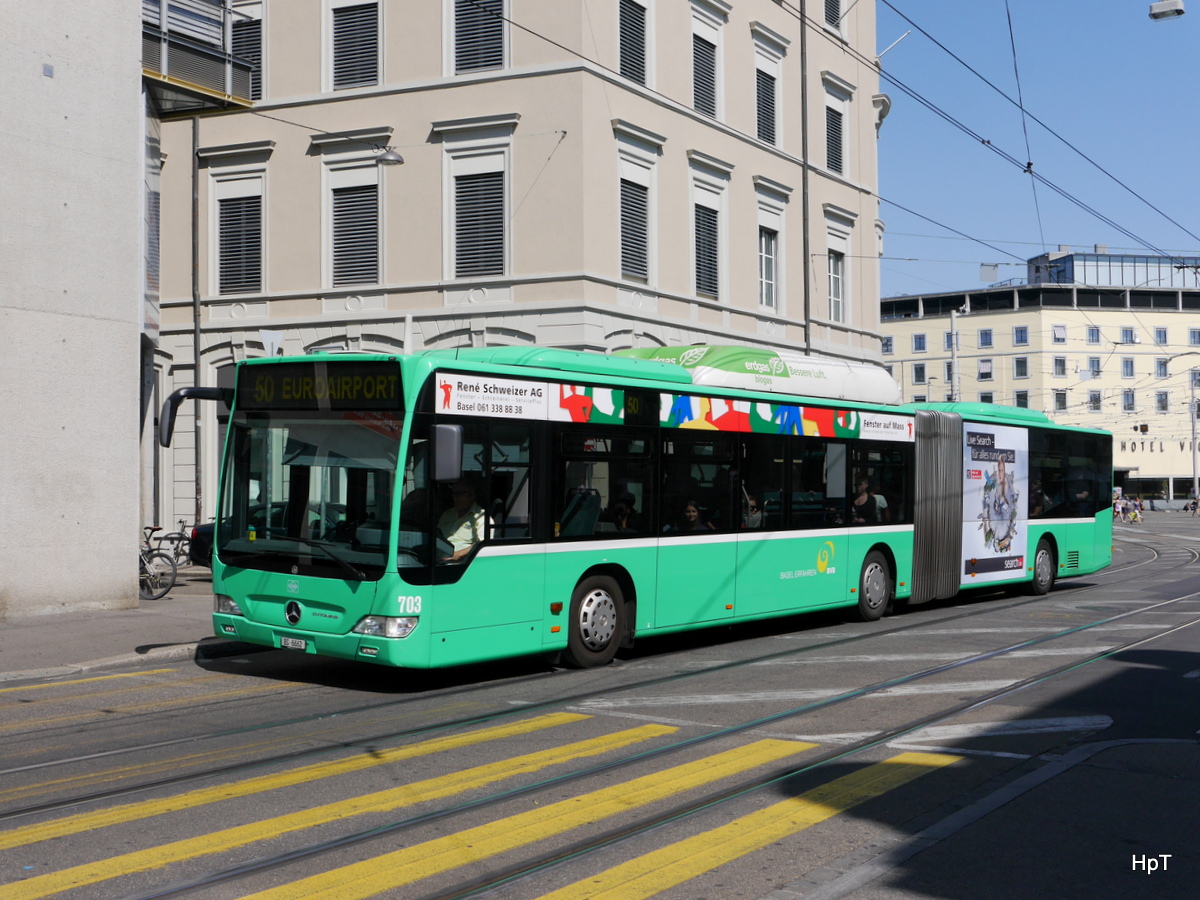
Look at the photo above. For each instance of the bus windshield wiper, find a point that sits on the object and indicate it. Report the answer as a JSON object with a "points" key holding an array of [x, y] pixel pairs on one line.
{"points": [[348, 567], [325, 547]]}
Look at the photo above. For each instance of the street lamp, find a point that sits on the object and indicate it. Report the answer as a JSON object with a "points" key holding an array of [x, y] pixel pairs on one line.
{"points": [[1166, 9]]}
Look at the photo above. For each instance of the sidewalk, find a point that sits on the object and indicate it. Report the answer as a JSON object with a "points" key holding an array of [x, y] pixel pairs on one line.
{"points": [[158, 631]]}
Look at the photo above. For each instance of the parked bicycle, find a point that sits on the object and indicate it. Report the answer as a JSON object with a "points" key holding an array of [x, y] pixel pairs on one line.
{"points": [[178, 544], [156, 568]]}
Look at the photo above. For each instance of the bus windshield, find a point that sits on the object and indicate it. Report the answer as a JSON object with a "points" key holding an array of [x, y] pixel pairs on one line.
{"points": [[310, 492]]}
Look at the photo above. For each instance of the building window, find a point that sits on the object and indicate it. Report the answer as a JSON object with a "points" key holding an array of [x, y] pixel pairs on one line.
{"points": [[1126, 366], [246, 44], [633, 40], [1194, 337], [949, 373], [1161, 401], [948, 340], [240, 239], [478, 35], [1059, 333], [1093, 334], [635, 230], [1128, 336], [1160, 336], [1094, 366], [985, 338], [918, 343], [985, 370], [886, 345], [1060, 367], [1127, 404], [1021, 367], [1021, 335], [834, 148], [765, 105], [355, 45], [986, 397], [837, 272], [888, 369], [918, 373], [1060, 401], [704, 76], [479, 233], [1160, 368], [918, 398], [1021, 399], [768, 262], [708, 246], [356, 234], [1094, 401], [706, 58]]}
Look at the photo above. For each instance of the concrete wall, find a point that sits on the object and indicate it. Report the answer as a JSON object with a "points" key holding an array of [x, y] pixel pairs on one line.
{"points": [[70, 305]]}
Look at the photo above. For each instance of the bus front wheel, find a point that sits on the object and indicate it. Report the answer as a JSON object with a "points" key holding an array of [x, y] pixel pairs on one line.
{"points": [[596, 624], [1043, 569], [874, 587]]}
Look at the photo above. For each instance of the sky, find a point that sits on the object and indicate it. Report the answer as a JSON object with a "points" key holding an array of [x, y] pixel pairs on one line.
{"points": [[1113, 85]]}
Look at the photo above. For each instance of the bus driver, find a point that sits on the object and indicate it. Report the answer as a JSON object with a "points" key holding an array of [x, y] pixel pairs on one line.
{"points": [[462, 523]]}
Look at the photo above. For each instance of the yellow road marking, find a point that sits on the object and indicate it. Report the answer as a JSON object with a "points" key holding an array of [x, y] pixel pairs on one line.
{"points": [[142, 770], [656, 872], [402, 867], [131, 812], [407, 795], [54, 684]]}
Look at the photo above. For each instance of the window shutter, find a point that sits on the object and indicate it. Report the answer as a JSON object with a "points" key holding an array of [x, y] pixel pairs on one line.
{"points": [[478, 35], [355, 46], [704, 75], [479, 224], [246, 43], [766, 106], [634, 230], [833, 11], [240, 255], [833, 139], [707, 251], [356, 235], [633, 41]]}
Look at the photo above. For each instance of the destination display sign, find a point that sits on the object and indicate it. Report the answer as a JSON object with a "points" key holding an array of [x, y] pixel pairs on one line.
{"points": [[461, 394], [349, 385]]}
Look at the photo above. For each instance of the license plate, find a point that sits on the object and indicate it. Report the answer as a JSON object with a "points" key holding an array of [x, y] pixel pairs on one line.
{"points": [[292, 643]]}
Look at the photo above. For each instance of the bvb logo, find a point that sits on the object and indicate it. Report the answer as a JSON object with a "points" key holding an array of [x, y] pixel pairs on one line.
{"points": [[824, 556]]}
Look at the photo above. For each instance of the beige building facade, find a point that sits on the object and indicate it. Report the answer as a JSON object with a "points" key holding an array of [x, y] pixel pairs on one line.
{"points": [[1123, 359], [586, 174]]}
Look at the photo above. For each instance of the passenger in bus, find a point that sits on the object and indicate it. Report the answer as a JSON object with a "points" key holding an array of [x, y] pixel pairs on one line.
{"points": [[753, 515], [862, 510], [690, 520], [623, 515], [462, 523]]}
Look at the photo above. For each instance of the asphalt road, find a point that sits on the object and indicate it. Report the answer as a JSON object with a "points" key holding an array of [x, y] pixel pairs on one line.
{"points": [[992, 746]]}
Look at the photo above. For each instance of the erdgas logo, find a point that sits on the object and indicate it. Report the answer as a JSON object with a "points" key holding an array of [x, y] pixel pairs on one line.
{"points": [[691, 357]]}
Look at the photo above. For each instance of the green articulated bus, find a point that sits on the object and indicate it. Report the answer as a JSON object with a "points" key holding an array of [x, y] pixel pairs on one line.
{"points": [[456, 506]]}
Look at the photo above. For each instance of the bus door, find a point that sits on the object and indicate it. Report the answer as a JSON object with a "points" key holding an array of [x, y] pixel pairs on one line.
{"points": [[700, 515], [792, 555]]}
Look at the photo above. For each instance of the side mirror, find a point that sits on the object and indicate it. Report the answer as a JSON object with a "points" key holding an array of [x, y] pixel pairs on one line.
{"points": [[166, 419], [447, 452]]}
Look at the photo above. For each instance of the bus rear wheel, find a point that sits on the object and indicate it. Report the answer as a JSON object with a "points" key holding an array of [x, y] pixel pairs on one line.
{"points": [[874, 587], [1043, 569], [596, 624]]}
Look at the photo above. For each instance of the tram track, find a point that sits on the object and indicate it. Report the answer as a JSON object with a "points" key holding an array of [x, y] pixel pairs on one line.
{"points": [[490, 717], [711, 800]]}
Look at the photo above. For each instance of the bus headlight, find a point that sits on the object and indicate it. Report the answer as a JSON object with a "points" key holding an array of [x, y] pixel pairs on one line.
{"points": [[387, 626], [223, 604]]}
